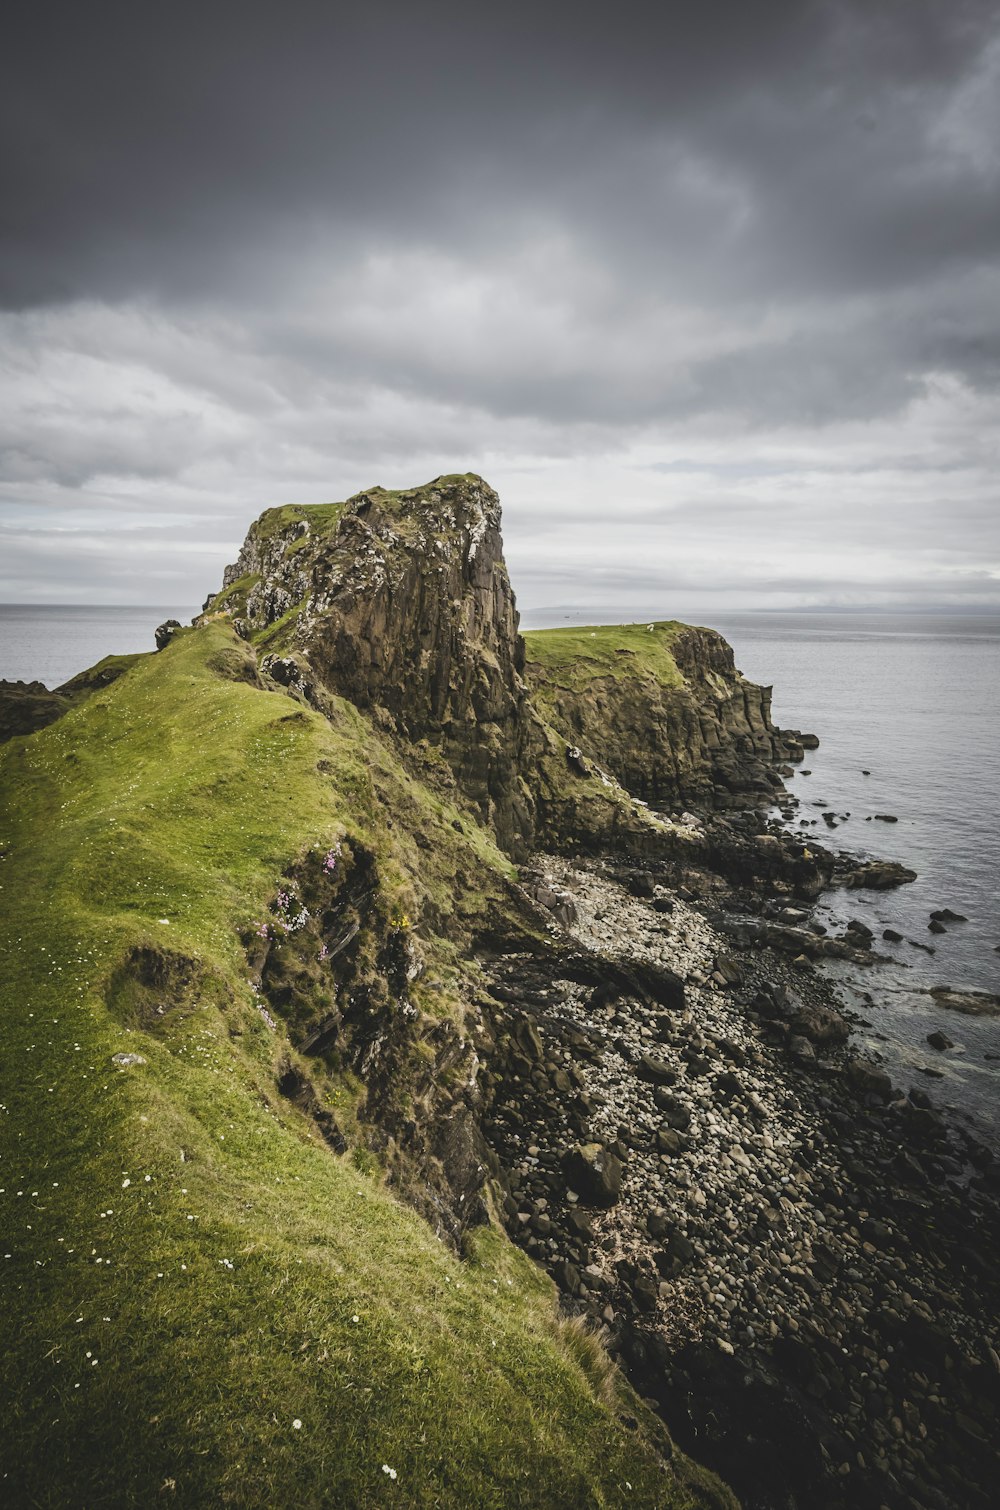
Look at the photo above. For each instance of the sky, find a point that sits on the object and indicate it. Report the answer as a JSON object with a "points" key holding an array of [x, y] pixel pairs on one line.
{"points": [[710, 292]]}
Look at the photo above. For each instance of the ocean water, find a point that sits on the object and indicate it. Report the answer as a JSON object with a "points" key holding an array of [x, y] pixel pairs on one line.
{"points": [[42, 643], [914, 699]]}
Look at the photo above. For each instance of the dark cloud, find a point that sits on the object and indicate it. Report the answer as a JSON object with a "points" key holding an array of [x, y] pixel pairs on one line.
{"points": [[252, 251]]}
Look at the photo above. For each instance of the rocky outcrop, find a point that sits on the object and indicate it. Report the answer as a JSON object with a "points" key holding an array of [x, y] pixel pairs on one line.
{"points": [[27, 706], [683, 728], [400, 601]]}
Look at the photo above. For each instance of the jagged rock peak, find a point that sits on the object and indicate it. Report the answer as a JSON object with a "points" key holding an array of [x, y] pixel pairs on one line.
{"points": [[400, 601]]}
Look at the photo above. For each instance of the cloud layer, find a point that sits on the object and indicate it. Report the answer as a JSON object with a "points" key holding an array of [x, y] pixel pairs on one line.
{"points": [[712, 295]]}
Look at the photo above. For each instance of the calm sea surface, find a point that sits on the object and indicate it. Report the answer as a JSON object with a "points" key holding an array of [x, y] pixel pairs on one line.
{"points": [[45, 644], [913, 699]]}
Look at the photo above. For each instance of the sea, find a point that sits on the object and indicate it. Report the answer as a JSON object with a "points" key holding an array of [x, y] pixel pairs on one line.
{"points": [[907, 710]]}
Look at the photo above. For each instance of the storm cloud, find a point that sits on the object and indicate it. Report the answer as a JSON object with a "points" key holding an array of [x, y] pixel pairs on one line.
{"points": [[711, 294]]}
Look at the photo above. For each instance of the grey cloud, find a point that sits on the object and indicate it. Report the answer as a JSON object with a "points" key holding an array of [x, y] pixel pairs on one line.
{"points": [[253, 254]]}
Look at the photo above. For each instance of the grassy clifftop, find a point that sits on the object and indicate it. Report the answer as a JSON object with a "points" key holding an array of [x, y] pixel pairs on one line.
{"points": [[577, 655], [202, 1302]]}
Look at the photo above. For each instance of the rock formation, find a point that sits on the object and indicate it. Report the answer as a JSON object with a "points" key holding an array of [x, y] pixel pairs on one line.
{"points": [[671, 718], [400, 601]]}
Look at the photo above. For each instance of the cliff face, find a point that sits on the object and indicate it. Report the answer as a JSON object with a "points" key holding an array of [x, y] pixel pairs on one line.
{"points": [[401, 602], [664, 708]]}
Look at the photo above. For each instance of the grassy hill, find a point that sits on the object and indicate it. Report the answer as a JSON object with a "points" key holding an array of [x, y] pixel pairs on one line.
{"points": [[202, 1302]]}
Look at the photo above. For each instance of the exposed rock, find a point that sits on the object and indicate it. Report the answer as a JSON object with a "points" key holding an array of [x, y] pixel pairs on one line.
{"points": [[403, 604], [27, 706], [165, 632], [683, 728], [970, 1003], [869, 1079], [877, 875], [595, 1173]]}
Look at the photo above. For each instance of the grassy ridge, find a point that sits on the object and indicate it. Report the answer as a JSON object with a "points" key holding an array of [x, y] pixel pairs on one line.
{"points": [[201, 1303]]}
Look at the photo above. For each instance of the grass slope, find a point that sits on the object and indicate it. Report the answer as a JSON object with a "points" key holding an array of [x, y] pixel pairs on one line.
{"points": [[201, 1303], [578, 655]]}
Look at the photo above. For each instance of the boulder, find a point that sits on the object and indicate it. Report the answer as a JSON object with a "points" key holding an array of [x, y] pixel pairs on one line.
{"points": [[595, 1173], [655, 1071], [165, 632], [869, 1079]]}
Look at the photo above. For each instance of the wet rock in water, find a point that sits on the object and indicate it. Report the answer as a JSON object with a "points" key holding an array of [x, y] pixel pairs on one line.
{"points": [[939, 1041], [886, 818], [866, 773], [945, 915], [878, 875], [858, 934], [970, 1003], [595, 1173], [935, 927], [892, 936]]}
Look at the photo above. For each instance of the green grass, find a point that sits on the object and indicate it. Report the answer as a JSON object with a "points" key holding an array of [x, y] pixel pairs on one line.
{"points": [[187, 1271], [577, 655], [322, 518]]}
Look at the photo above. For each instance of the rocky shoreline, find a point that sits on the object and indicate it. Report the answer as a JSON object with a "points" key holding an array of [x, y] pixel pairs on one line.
{"points": [[788, 1255]]}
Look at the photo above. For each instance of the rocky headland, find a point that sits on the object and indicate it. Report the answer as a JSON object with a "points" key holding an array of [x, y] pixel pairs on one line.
{"points": [[544, 962]]}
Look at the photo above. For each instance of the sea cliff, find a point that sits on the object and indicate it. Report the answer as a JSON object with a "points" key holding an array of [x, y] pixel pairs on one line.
{"points": [[420, 1054]]}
